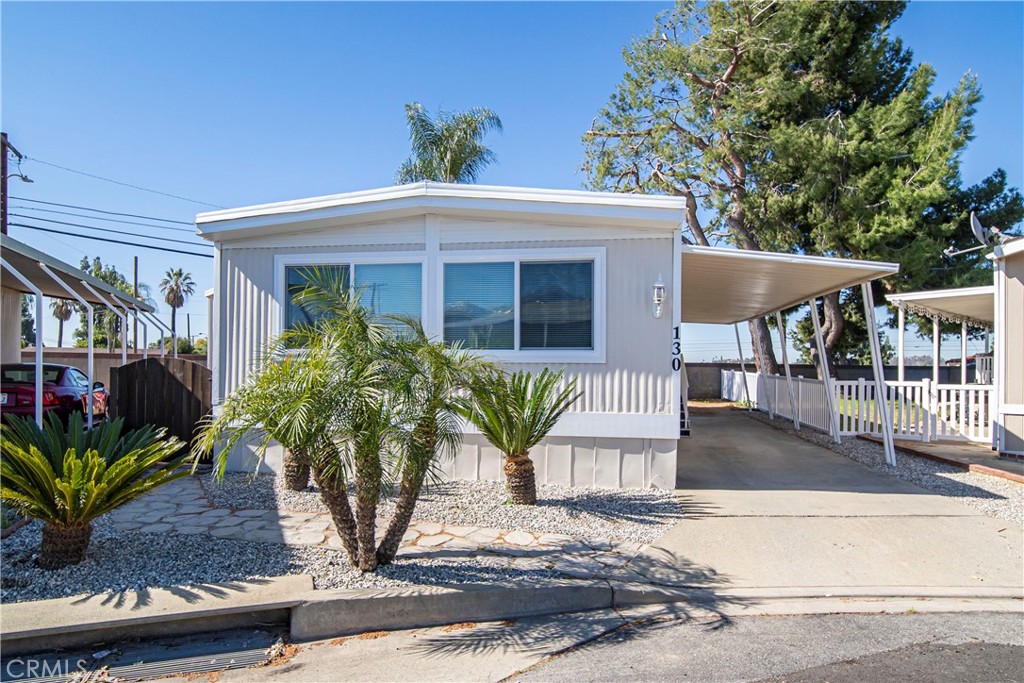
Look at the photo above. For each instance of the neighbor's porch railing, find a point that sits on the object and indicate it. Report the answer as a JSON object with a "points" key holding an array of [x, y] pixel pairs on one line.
{"points": [[920, 410]]}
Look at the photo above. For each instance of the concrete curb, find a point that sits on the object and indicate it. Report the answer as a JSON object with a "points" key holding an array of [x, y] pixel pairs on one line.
{"points": [[969, 467], [317, 614]]}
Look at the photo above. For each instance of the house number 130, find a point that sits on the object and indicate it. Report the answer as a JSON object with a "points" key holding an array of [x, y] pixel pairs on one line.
{"points": [[677, 350]]}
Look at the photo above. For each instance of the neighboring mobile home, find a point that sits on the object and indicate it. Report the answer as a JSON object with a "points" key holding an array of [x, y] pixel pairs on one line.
{"points": [[591, 282]]}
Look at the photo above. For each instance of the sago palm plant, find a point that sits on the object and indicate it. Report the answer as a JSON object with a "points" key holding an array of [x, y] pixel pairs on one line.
{"points": [[514, 412], [68, 478]]}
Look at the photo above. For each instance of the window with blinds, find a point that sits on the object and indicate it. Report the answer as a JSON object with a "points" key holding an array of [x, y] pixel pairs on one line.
{"points": [[297, 278], [384, 288], [479, 305]]}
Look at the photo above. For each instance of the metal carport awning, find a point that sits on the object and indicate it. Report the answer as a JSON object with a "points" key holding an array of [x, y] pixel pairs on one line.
{"points": [[728, 286], [974, 305]]}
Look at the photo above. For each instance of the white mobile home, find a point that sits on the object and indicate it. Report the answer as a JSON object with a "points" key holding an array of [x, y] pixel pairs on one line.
{"points": [[587, 281]]}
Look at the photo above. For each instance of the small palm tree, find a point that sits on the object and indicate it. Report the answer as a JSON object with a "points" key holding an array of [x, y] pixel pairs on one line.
{"points": [[68, 478], [448, 148], [62, 310], [514, 412], [177, 287]]}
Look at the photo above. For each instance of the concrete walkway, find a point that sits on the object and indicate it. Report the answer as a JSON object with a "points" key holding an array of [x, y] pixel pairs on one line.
{"points": [[772, 511], [974, 457]]}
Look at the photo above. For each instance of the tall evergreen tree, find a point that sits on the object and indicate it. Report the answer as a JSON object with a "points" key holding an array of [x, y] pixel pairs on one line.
{"points": [[449, 147], [177, 287], [62, 310]]}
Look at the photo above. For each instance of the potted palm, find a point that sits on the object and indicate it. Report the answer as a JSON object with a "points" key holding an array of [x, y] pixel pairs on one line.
{"points": [[68, 478], [514, 412]]}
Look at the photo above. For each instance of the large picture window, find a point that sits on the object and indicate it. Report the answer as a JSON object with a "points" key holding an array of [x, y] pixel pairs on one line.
{"points": [[297, 278], [383, 288], [554, 308]]}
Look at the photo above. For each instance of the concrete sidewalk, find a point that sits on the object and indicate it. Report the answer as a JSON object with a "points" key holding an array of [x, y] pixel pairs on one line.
{"points": [[776, 512]]}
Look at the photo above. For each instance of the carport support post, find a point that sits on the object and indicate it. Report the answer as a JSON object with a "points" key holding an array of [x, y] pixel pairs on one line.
{"points": [[881, 394], [113, 309], [826, 375], [88, 339], [743, 367], [936, 349], [901, 345], [963, 354], [39, 335], [789, 376], [160, 325]]}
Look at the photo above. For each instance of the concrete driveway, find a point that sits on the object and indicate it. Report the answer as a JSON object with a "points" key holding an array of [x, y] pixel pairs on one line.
{"points": [[772, 512]]}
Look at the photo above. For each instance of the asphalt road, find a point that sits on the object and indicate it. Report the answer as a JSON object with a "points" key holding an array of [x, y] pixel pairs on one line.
{"points": [[961, 647]]}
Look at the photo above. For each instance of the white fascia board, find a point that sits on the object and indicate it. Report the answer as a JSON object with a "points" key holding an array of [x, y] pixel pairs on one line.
{"points": [[939, 294], [451, 199], [747, 255]]}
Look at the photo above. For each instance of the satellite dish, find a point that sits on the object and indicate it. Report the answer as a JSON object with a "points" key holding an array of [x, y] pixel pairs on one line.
{"points": [[981, 233]]}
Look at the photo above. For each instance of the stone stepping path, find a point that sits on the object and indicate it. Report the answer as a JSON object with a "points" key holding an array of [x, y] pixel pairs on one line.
{"points": [[183, 508]]}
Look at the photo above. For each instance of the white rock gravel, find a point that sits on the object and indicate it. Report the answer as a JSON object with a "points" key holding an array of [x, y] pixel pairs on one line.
{"points": [[637, 515], [993, 496]]}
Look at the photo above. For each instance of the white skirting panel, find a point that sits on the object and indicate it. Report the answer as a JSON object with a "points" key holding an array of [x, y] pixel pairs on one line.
{"points": [[576, 461], [567, 460]]}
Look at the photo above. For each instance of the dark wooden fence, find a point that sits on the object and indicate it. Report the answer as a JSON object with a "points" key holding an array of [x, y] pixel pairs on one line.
{"points": [[166, 392]]}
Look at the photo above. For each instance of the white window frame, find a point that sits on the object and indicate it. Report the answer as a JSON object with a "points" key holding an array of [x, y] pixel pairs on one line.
{"points": [[518, 256], [351, 259]]}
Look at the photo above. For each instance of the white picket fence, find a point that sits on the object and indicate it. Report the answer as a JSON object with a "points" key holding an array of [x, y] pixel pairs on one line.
{"points": [[920, 410]]}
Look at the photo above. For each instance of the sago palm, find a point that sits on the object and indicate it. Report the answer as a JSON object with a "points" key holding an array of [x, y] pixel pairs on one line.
{"points": [[448, 148], [177, 287], [68, 478], [514, 412]]}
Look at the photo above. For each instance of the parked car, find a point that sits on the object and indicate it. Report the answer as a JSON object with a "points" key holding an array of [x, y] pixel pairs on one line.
{"points": [[65, 390]]}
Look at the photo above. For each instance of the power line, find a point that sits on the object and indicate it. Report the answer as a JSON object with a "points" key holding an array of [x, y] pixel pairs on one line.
{"points": [[104, 239], [118, 182], [109, 220], [109, 213], [116, 232]]}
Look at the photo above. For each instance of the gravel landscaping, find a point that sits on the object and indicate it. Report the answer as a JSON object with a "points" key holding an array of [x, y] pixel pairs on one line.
{"points": [[120, 561], [637, 515], [994, 496]]}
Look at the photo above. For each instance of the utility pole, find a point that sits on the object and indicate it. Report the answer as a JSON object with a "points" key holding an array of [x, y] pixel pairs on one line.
{"points": [[135, 293], [6, 146]]}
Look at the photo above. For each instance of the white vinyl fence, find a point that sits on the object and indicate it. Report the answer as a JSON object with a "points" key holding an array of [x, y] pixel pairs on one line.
{"points": [[920, 410]]}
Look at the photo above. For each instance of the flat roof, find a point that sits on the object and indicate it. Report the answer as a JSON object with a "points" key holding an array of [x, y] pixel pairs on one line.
{"points": [[975, 305], [26, 260], [725, 286], [459, 199]]}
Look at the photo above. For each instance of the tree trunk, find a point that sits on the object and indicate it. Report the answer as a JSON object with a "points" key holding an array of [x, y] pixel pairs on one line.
{"points": [[368, 476], [832, 330], [520, 479], [408, 494], [764, 354], [60, 332], [332, 492], [64, 545], [295, 470], [174, 327]]}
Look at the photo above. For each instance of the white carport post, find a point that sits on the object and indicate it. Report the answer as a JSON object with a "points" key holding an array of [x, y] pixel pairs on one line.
{"points": [[160, 324], [113, 309], [789, 375], [145, 332], [127, 312], [901, 343], [89, 352], [881, 394], [823, 361], [963, 354], [39, 336], [743, 367], [936, 349]]}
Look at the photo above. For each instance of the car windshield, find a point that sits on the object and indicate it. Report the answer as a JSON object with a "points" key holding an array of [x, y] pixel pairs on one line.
{"points": [[26, 374]]}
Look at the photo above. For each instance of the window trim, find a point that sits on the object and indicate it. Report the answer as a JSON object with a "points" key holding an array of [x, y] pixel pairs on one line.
{"points": [[351, 259], [529, 255]]}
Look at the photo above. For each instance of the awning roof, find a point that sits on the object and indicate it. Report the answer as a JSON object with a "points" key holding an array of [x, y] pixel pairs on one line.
{"points": [[26, 260], [975, 305], [732, 285]]}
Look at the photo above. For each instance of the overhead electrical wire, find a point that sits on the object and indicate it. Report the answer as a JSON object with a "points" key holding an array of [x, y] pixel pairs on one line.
{"points": [[123, 184], [112, 241], [109, 213], [99, 218], [116, 232]]}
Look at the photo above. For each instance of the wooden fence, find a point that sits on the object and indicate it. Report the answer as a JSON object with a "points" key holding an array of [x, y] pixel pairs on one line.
{"points": [[166, 392]]}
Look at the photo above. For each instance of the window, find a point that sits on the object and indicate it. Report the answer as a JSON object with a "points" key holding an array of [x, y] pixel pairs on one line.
{"points": [[77, 377], [551, 308], [383, 288], [26, 374]]}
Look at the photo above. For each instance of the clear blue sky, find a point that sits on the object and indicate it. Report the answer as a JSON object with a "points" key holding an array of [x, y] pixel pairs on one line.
{"points": [[239, 103]]}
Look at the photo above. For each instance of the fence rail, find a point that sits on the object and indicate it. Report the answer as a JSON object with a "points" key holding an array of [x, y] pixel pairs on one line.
{"points": [[920, 410]]}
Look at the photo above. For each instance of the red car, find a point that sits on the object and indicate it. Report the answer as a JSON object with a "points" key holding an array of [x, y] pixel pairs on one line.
{"points": [[65, 389]]}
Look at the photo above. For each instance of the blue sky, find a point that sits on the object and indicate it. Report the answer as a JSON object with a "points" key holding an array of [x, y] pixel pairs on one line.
{"points": [[239, 103]]}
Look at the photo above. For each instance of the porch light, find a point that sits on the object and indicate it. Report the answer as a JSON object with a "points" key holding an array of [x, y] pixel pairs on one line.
{"points": [[658, 296]]}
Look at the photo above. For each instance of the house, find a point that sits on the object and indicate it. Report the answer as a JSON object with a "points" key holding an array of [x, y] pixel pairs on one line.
{"points": [[591, 282]]}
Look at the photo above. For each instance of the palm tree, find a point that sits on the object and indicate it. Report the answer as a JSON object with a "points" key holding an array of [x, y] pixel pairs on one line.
{"points": [[448, 148], [514, 412], [177, 287], [62, 310]]}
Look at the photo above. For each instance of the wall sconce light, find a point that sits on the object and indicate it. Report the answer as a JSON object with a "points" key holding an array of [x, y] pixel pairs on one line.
{"points": [[658, 296]]}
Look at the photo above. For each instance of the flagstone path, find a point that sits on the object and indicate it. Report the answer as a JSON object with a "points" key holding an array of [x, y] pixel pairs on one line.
{"points": [[183, 508]]}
